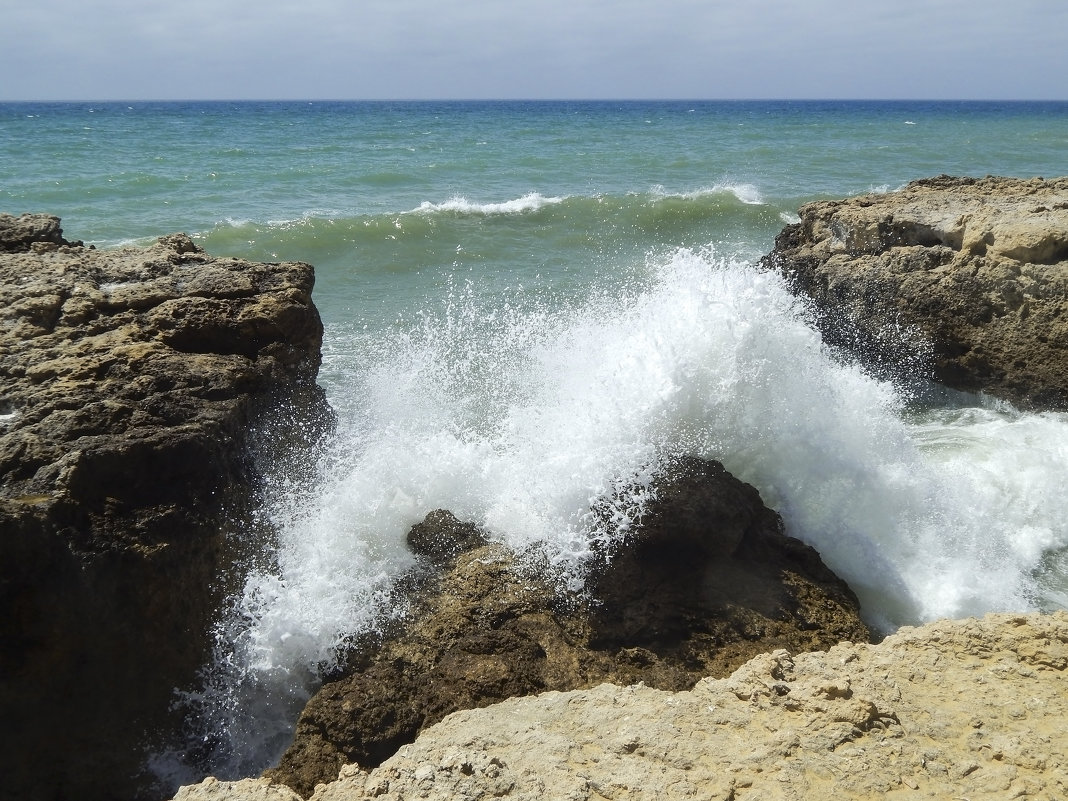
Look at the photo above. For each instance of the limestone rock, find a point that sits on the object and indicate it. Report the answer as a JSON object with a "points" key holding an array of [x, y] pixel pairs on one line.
{"points": [[130, 384], [973, 272], [707, 581], [955, 709], [211, 789]]}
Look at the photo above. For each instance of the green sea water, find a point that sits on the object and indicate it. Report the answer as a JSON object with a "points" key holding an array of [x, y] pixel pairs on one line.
{"points": [[530, 305]]}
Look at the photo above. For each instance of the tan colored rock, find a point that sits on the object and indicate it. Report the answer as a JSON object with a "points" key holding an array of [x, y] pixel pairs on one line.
{"points": [[953, 710], [972, 273], [211, 789]]}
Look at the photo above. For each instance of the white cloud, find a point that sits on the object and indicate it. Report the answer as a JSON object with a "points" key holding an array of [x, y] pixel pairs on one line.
{"points": [[533, 48]]}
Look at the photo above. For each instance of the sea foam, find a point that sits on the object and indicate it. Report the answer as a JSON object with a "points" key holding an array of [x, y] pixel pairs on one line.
{"points": [[518, 418]]}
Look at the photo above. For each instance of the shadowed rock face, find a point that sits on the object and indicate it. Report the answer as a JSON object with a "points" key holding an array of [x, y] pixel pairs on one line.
{"points": [[707, 581], [971, 272], [130, 383]]}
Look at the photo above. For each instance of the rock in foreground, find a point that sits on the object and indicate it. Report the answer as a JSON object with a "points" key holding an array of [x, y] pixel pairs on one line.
{"points": [[130, 381], [975, 270], [956, 709], [705, 582]]}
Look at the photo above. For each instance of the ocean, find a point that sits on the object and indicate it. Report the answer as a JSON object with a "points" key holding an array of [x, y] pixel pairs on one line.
{"points": [[529, 305]]}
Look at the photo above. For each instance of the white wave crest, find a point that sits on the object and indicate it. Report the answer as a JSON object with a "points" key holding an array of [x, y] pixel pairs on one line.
{"points": [[746, 193], [531, 201], [518, 419]]}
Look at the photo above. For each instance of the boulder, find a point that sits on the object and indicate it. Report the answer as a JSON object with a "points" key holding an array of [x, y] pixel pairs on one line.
{"points": [[27, 232], [969, 709], [968, 275], [706, 581], [132, 385]]}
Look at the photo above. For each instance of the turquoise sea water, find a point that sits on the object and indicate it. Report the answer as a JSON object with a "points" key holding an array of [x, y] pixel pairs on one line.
{"points": [[529, 304], [373, 193]]}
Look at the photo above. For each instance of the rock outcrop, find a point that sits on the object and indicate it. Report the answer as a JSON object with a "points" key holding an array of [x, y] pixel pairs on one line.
{"points": [[707, 581], [952, 710], [27, 232], [970, 273], [131, 382]]}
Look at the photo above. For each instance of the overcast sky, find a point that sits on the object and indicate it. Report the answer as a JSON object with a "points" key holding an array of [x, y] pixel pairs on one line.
{"points": [[393, 49]]}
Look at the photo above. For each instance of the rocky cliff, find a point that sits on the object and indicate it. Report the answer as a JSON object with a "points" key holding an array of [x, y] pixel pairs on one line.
{"points": [[131, 385], [970, 276], [964, 709]]}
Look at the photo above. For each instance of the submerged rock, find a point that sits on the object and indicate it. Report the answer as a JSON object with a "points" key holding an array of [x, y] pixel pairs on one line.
{"points": [[131, 385], [705, 582], [972, 273], [954, 709]]}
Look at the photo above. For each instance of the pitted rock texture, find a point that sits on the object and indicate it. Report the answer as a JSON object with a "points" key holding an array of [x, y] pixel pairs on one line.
{"points": [[967, 709], [130, 381], [705, 582], [969, 274]]}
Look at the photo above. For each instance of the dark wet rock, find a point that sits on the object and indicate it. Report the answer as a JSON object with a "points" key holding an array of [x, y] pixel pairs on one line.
{"points": [[132, 383], [707, 581], [968, 275], [441, 537], [711, 579]]}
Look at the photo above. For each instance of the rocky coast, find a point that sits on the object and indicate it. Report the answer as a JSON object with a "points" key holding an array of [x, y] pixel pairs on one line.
{"points": [[952, 710], [714, 656], [707, 581]]}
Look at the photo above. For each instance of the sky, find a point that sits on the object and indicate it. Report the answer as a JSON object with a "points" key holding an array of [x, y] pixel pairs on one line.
{"points": [[533, 49]]}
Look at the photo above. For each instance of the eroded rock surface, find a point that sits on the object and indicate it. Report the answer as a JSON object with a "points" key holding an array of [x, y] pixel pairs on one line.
{"points": [[952, 710], [975, 270], [130, 381], [707, 581]]}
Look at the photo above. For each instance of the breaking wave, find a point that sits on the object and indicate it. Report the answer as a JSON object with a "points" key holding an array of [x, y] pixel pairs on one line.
{"points": [[518, 416]]}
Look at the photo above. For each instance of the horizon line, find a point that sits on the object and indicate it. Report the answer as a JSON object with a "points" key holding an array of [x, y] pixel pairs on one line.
{"points": [[543, 100]]}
